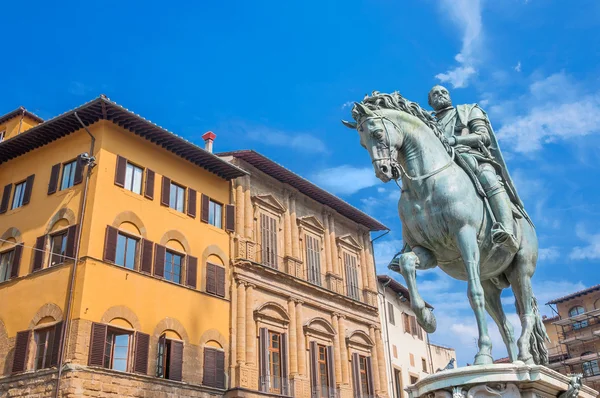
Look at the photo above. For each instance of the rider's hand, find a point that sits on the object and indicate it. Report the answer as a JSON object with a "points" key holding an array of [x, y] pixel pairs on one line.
{"points": [[451, 141]]}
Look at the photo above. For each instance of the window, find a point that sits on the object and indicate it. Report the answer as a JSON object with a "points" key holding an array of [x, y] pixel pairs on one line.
{"points": [[268, 232], [2, 134], [351, 276], [364, 376], [391, 318], [173, 264], [322, 369], [19, 195], [313, 259], [406, 322], [395, 350], [177, 197], [424, 364], [413, 379], [578, 310], [116, 350], [68, 175], [6, 259], [275, 362], [58, 248], [126, 251], [215, 214], [169, 358], [44, 340], [214, 368], [398, 382], [590, 368], [133, 178]]}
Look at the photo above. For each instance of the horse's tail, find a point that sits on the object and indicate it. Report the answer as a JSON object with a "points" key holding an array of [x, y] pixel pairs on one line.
{"points": [[538, 338]]}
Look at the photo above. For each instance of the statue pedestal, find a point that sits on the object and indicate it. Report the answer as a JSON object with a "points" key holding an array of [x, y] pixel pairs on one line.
{"points": [[498, 381]]}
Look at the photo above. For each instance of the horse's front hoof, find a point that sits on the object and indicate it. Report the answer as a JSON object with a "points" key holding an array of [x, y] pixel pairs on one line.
{"points": [[483, 359]]}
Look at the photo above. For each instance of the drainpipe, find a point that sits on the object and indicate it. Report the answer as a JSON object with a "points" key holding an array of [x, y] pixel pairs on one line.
{"points": [[90, 161], [387, 337], [430, 356]]}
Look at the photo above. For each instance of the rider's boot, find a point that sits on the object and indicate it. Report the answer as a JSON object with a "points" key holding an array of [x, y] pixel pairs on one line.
{"points": [[502, 230]]}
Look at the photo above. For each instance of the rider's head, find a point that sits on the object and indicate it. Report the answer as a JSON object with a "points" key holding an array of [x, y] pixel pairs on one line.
{"points": [[439, 98]]}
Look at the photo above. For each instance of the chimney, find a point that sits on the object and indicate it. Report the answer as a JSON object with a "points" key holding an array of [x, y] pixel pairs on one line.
{"points": [[208, 138]]}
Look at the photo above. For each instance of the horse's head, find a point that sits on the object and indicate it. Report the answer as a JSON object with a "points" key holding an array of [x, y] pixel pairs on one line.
{"points": [[379, 135]]}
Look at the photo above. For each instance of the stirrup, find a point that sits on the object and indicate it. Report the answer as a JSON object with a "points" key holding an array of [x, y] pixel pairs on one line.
{"points": [[502, 237]]}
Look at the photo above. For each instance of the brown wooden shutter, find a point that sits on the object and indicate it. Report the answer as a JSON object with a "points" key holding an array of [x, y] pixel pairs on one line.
{"points": [[78, 177], [97, 342], [21, 351], [230, 218], [356, 375], [56, 344], [284, 364], [314, 366], [149, 187], [146, 258], [16, 261], [220, 281], [191, 271], [263, 343], [220, 369], [72, 241], [331, 371], [370, 377], [210, 367], [28, 189], [159, 260], [53, 183], [142, 345], [5, 198], [176, 360], [120, 171], [165, 192], [204, 208], [39, 253], [110, 244], [191, 203], [211, 278]]}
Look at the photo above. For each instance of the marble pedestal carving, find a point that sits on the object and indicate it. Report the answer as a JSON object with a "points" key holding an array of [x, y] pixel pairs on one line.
{"points": [[499, 381]]}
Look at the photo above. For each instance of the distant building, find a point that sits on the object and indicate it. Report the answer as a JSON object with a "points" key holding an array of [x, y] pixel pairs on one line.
{"points": [[575, 335], [408, 353]]}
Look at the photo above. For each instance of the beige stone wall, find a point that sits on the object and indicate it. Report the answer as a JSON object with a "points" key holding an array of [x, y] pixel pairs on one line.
{"points": [[282, 298]]}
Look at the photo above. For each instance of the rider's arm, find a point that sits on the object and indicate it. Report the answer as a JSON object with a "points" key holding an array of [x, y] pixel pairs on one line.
{"points": [[478, 128]]}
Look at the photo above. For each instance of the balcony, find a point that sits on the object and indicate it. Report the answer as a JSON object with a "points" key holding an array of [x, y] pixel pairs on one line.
{"points": [[314, 275], [326, 392], [277, 385]]}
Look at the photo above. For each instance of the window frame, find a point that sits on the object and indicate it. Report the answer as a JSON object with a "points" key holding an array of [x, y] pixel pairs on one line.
{"points": [[352, 290], [164, 356], [61, 232], [11, 254], [272, 352], [115, 332], [269, 254], [49, 333], [71, 176], [390, 313], [142, 172], [2, 135], [424, 365], [137, 253], [18, 185], [172, 252], [323, 389], [313, 270], [183, 201], [580, 324], [212, 202], [363, 370]]}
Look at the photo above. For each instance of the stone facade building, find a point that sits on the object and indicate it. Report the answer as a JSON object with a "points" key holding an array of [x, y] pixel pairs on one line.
{"points": [[409, 356], [575, 335], [304, 318]]}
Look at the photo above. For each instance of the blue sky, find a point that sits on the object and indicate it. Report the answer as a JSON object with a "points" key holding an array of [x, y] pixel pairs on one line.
{"points": [[278, 76]]}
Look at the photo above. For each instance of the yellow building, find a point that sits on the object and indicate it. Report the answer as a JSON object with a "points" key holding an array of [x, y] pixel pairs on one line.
{"points": [[115, 234], [575, 335], [304, 312]]}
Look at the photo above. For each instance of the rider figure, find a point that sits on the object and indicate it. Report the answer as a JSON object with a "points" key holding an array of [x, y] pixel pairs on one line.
{"points": [[468, 130]]}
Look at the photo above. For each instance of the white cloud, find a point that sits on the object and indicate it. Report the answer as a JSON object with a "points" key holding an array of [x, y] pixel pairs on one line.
{"points": [[518, 67], [591, 251], [548, 253], [558, 108], [302, 142], [345, 180], [466, 15], [79, 88], [347, 104]]}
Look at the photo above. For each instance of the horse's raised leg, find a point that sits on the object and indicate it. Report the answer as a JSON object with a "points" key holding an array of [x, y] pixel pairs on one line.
{"points": [[493, 304], [467, 244]]}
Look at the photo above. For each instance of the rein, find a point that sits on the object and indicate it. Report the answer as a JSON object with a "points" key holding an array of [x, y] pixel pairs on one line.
{"points": [[395, 163]]}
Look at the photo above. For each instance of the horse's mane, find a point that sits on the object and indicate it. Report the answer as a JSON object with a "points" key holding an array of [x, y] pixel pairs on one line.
{"points": [[397, 102]]}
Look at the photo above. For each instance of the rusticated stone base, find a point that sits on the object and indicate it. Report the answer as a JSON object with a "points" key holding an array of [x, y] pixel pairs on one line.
{"points": [[499, 381], [78, 381]]}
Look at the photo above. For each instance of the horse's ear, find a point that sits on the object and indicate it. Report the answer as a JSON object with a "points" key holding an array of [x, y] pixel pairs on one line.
{"points": [[363, 109], [350, 125]]}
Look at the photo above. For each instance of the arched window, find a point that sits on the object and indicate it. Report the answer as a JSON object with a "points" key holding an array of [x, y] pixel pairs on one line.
{"points": [[214, 365], [590, 368], [169, 361], [578, 310]]}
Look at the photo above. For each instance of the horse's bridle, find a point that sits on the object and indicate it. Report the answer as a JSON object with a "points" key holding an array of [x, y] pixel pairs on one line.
{"points": [[394, 162]]}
